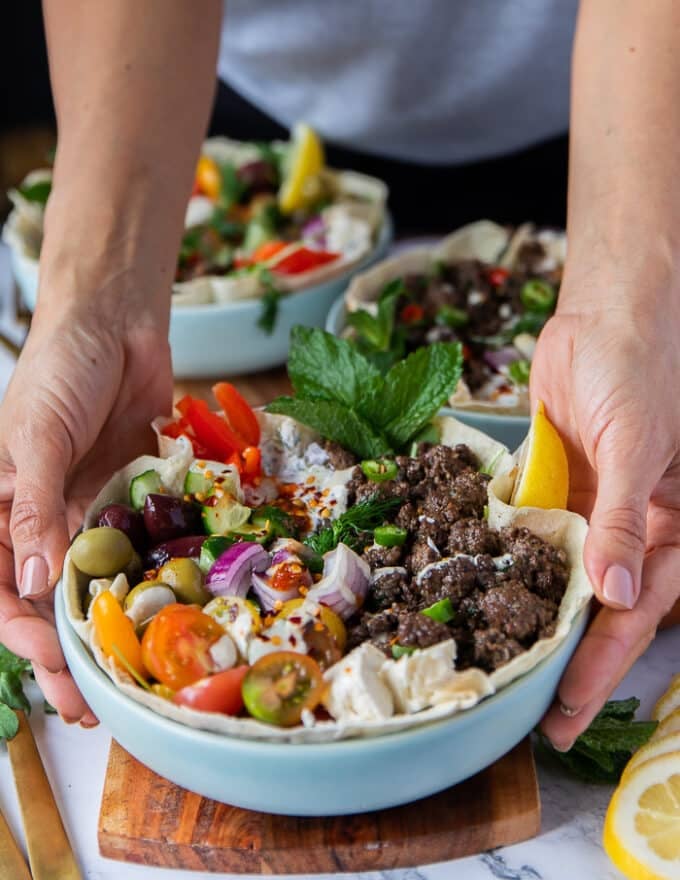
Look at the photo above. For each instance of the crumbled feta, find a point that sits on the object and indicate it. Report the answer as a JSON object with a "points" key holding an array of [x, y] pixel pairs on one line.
{"points": [[525, 344], [356, 691], [199, 210], [223, 653], [282, 635], [418, 680]]}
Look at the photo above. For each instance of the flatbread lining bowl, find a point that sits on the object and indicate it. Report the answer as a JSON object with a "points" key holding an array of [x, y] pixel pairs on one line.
{"points": [[463, 690]]}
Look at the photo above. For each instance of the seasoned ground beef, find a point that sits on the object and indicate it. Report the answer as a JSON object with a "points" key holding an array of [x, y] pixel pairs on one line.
{"points": [[379, 557], [473, 536], [420, 631], [452, 579], [516, 612], [542, 567], [422, 554], [389, 586], [492, 649]]}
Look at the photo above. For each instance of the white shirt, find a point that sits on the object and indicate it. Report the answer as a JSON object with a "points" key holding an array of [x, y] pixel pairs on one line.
{"points": [[433, 81]]}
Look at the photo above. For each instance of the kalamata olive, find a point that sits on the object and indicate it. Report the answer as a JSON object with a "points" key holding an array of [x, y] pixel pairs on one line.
{"points": [[167, 518], [120, 516], [189, 546], [259, 176], [186, 580], [101, 552]]}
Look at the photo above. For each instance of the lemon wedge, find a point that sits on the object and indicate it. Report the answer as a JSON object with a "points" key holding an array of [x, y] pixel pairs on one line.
{"points": [[305, 162], [543, 479], [642, 827]]}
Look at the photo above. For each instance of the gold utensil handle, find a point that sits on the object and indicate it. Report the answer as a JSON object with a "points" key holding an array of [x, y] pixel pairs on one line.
{"points": [[12, 863], [49, 851]]}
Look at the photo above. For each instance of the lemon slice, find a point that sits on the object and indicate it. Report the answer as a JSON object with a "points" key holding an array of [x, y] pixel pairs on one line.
{"points": [[668, 703], [305, 162], [543, 479], [670, 724], [642, 827], [652, 749]]}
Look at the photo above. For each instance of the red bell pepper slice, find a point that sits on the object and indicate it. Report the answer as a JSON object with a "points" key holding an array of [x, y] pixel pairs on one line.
{"points": [[251, 466], [211, 431], [302, 260], [238, 412]]}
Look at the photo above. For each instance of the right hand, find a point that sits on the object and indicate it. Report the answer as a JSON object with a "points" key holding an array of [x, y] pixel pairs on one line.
{"points": [[86, 387]]}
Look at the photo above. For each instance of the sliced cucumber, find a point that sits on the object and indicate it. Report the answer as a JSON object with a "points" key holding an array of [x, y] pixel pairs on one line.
{"points": [[196, 483], [211, 549], [202, 479], [224, 515], [143, 485]]}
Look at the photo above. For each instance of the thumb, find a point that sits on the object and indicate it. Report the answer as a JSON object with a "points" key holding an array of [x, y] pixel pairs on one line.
{"points": [[38, 527], [615, 547]]}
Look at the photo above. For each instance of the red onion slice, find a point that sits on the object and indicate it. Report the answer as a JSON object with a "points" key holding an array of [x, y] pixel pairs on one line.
{"points": [[502, 357], [269, 596], [231, 573], [345, 582]]}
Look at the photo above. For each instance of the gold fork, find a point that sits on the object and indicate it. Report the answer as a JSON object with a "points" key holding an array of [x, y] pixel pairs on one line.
{"points": [[12, 863]]}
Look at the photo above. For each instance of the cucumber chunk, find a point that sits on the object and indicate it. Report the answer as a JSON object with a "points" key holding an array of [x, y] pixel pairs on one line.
{"points": [[224, 515], [142, 485], [211, 549]]}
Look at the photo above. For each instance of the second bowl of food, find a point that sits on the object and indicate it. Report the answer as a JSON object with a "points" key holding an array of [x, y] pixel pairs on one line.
{"points": [[488, 287]]}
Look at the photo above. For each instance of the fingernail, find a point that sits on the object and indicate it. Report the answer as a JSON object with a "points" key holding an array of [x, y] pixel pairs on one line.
{"points": [[68, 720], [87, 725], [34, 577], [618, 586], [568, 711], [562, 748]]}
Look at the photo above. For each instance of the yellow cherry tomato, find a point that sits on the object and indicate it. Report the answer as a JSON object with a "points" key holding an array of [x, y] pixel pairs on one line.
{"points": [[116, 633], [208, 178]]}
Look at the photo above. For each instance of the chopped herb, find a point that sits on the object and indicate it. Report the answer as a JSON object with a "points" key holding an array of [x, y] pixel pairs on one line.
{"points": [[441, 611], [376, 336], [269, 300], [36, 192], [278, 523], [450, 316], [602, 751], [353, 526], [519, 372]]}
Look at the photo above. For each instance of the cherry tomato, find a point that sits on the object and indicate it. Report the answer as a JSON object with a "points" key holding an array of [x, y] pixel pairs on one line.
{"points": [[251, 464], [289, 576], [176, 645], [215, 693], [267, 250], [412, 314], [238, 412], [498, 276], [116, 633], [328, 617], [302, 260], [208, 180], [280, 686]]}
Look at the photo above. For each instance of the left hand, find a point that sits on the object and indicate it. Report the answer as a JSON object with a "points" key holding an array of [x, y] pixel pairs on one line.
{"points": [[607, 373]]}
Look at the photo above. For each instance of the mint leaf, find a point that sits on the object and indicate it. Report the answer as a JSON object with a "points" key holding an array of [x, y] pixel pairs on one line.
{"points": [[416, 388], [334, 421], [623, 709], [12, 664], [12, 692], [9, 723], [323, 367]]}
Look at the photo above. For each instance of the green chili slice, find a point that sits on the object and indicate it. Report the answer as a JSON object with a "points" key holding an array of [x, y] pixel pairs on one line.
{"points": [[390, 536], [402, 651], [538, 295], [379, 470], [519, 372], [441, 611], [450, 316]]}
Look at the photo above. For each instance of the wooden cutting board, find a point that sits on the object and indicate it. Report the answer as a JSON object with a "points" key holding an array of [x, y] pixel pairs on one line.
{"points": [[150, 821]]}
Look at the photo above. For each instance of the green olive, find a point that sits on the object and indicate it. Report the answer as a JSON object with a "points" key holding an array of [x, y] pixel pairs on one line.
{"points": [[101, 552], [186, 579], [135, 593]]}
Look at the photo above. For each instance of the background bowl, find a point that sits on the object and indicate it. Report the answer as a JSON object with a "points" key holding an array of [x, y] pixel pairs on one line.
{"points": [[507, 429], [321, 779], [219, 339]]}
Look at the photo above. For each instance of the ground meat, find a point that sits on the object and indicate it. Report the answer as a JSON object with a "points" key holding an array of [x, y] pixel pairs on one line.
{"points": [[466, 496], [492, 649], [443, 463], [379, 557], [422, 554], [360, 488], [420, 631], [379, 628], [411, 470], [452, 579], [515, 612], [389, 586], [540, 566], [473, 536], [530, 256], [339, 457]]}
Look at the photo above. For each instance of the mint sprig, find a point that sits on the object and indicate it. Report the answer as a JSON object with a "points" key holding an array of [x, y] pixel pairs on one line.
{"points": [[345, 398], [602, 751], [12, 696]]}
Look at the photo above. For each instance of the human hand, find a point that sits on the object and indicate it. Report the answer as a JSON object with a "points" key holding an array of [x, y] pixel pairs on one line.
{"points": [[84, 392], [606, 373]]}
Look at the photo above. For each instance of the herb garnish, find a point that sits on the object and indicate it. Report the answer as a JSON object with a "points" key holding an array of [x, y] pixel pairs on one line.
{"points": [[12, 696], [602, 751], [352, 526], [376, 336], [269, 300], [345, 398], [36, 192]]}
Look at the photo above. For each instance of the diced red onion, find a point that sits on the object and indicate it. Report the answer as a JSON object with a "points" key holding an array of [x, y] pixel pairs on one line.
{"points": [[502, 357], [287, 549], [268, 595], [231, 573], [345, 582], [314, 231]]}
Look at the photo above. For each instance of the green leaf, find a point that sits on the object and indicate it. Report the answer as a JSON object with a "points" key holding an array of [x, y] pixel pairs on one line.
{"points": [[334, 421], [12, 692], [519, 372], [416, 388], [9, 662], [623, 709], [270, 300], [9, 723], [323, 367], [36, 192]]}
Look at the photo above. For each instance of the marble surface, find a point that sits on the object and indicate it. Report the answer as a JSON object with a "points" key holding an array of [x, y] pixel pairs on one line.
{"points": [[568, 846]]}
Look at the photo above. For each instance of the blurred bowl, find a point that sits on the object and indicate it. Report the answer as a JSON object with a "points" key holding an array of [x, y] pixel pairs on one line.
{"points": [[508, 429], [224, 339], [321, 779]]}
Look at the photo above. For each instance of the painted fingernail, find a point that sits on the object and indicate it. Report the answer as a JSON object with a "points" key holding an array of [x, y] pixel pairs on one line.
{"points": [[562, 748], [88, 725], [68, 720], [618, 586], [568, 710], [34, 577]]}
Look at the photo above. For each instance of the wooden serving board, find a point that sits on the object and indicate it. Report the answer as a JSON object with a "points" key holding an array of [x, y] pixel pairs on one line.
{"points": [[150, 821]]}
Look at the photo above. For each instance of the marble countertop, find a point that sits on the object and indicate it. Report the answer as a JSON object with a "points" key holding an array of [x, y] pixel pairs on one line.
{"points": [[568, 846]]}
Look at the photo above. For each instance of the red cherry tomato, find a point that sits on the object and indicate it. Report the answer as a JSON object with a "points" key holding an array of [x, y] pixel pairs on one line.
{"points": [[498, 276], [411, 314], [215, 693], [238, 412], [176, 645]]}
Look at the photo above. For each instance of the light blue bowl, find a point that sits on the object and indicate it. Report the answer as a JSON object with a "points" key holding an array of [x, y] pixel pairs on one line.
{"points": [[324, 779], [510, 430], [221, 339]]}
